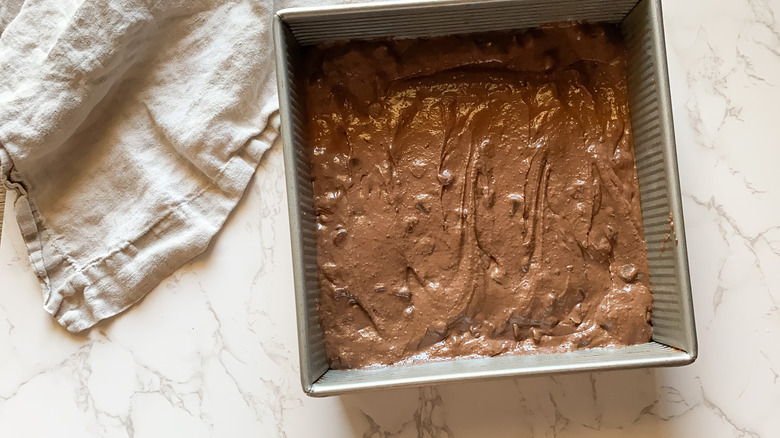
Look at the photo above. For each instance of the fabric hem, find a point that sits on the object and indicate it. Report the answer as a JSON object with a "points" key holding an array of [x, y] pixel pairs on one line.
{"points": [[89, 293]]}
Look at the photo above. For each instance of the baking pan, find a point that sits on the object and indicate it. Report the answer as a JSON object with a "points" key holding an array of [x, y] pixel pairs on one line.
{"points": [[674, 335]]}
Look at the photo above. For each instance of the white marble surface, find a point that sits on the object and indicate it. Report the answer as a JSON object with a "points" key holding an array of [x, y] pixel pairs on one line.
{"points": [[212, 351]]}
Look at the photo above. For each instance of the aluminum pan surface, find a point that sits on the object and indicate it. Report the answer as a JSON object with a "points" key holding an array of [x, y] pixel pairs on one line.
{"points": [[311, 25]]}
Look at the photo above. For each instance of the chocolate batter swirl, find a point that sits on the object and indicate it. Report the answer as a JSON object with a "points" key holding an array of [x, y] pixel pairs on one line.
{"points": [[476, 196]]}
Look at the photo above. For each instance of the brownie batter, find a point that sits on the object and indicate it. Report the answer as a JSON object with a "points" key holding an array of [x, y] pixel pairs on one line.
{"points": [[476, 196]]}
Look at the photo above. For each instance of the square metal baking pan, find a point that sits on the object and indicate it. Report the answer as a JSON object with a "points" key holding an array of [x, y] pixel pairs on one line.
{"points": [[674, 336]]}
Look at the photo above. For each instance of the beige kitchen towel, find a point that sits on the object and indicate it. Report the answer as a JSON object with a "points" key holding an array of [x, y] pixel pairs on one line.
{"points": [[129, 129]]}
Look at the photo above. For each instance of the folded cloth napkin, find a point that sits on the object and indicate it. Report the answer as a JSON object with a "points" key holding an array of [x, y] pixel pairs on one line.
{"points": [[129, 129]]}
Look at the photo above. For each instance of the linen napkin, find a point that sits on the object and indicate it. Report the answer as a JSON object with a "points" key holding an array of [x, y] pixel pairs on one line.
{"points": [[130, 130]]}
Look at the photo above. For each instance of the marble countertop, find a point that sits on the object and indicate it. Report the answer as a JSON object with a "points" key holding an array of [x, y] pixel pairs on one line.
{"points": [[213, 350]]}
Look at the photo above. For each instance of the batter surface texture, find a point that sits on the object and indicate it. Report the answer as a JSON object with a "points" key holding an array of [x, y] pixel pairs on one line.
{"points": [[476, 196]]}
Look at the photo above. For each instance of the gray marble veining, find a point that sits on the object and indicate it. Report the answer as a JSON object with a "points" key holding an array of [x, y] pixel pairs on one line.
{"points": [[212, 351]]}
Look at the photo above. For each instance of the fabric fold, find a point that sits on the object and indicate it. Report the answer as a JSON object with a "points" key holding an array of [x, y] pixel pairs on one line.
{"points": [[130, 131]]}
